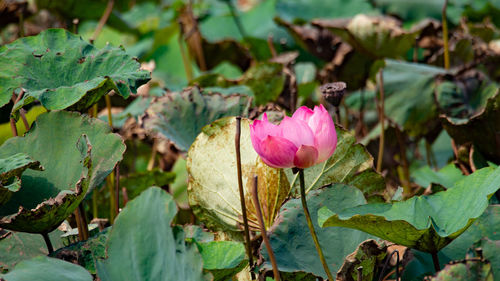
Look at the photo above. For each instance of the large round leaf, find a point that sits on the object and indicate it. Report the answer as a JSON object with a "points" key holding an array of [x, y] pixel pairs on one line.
{"points": [[292, 242], [142, 243], [378, 37], [426, 223], [350, 164], [61, 70], [47, 269], [213, 182], [47, 197], [180, 116]]}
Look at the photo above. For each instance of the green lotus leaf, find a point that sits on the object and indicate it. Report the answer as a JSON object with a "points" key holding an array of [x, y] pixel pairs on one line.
{"points": [[292, 242], [47, 269], [47, 197], [265, 80], [11, 169], [481, 129], [62, 71], [224, 259], [19, 246], [378, 37], [180, 117], [140, 230], [446, 177], [213, 184], [426, 223], [350, 164]]}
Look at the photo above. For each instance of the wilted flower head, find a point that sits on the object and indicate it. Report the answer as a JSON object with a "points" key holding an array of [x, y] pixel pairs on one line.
{"points": [[303, 140]]}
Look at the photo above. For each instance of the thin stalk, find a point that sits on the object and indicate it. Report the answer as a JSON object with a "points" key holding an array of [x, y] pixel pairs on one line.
{"points": [[337, 114], [21, 23], [237, 137], [381, 116], [108, 106], [22, 112], [311, 226], [83, 220], [237, 20], [94, 203], [112, 178], [270, 45], [185, 60], [435, 261], [112, 203], [346, 119], [13, 127], [79, 225], [125, 196], [103, 20], [445, 36], [117, 189], [93, 113], [152, 158], [258, 211], [46, 238], [75, 25], [404, 163]]}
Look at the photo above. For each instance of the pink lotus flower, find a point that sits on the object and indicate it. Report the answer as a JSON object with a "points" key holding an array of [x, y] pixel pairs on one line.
{"points": [[303, 140]]}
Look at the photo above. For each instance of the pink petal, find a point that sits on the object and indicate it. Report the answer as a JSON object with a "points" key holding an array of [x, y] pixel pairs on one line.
{"points": [[322, 126], [296, 131], [303, 113], [305, 157], [277, 152], [260, 129]]}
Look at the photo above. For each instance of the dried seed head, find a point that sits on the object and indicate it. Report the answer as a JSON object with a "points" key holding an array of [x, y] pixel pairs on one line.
{"points": [[333, 92]]}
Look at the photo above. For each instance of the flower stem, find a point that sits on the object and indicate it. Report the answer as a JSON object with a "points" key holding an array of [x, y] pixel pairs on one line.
{"points": [[260, 218], [311, 226], [381, 116], [242, 192]]}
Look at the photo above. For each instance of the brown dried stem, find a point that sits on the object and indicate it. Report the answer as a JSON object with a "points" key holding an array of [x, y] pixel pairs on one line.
{"points": [[242, 192], [260, 218]]}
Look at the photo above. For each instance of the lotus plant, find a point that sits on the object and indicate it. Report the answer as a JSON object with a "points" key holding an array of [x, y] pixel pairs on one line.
{"points": [[301, 141]]}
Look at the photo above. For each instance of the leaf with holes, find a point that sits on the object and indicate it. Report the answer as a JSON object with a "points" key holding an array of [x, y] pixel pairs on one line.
{"points": [[63, 71], [47, 197], [180, 117]]}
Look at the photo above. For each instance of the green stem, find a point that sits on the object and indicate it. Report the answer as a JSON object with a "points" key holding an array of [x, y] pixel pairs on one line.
{"points": [[311, 226]]}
